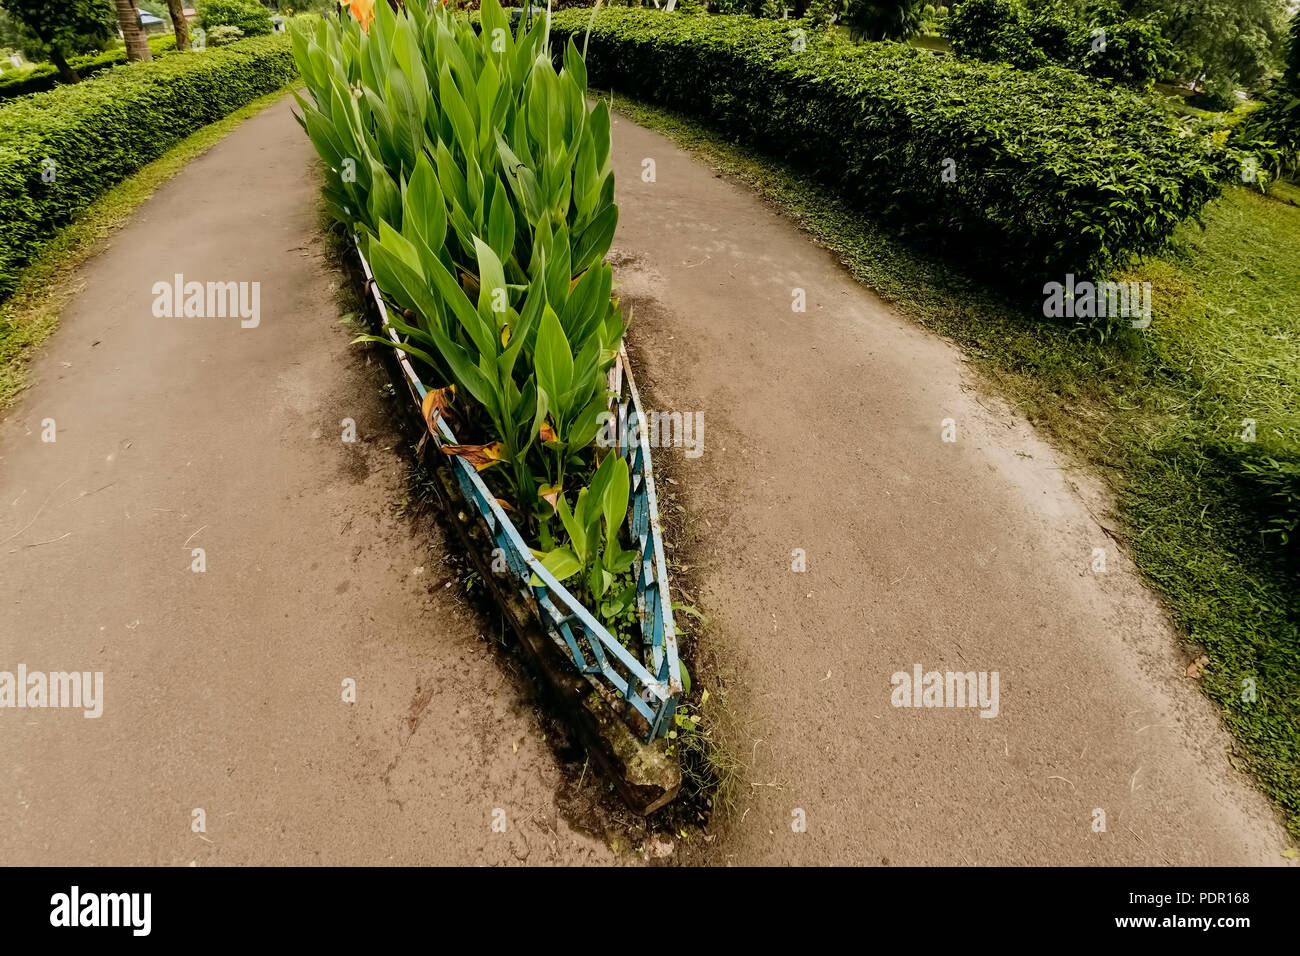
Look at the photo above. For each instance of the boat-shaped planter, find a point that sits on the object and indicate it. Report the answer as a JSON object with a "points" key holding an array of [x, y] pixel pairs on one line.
{"points": [[622, 702]]}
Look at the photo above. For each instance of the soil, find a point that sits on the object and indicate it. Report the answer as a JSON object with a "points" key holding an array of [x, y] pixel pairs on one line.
{"points": [[824, 444], [223, 689], [824, 448]]}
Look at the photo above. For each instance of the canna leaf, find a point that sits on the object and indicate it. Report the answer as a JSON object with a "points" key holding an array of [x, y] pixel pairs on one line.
{"points": [[561, 562], [554, 361]]}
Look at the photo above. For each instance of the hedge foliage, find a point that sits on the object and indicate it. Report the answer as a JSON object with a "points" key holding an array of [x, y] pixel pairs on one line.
{"points": [[248, 15], [1100, 42], [100, 131], [1051, 172], [44, 76]]}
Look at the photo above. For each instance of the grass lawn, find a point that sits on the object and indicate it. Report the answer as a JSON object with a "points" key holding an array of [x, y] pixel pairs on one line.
{"points": [[31, 313], [1159, 413]]}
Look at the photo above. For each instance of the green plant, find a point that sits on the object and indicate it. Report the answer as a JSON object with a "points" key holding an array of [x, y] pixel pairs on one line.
{"points": [[1274, 130], [59, 29], [480, 185], [1232, 41], [883, 19], [993, 30], [45, 76], [593, 552], [223, 35], [248, 15], [99, 131], [1217, 96], [1279, 483], [1095, 41], [1129, 51], [1053, 173]]}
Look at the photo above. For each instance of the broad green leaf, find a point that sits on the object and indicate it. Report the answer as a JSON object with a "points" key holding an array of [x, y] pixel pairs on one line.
{"points": [[553, 358]]}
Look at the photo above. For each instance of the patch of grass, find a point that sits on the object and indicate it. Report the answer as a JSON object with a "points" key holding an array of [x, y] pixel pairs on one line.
{"points": [[1159, 414], [30, 315], [707, 745], [1284, 191]]}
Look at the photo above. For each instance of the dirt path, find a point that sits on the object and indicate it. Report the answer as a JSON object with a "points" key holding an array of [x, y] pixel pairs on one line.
{"points": [[223, 689], [824, 436]]}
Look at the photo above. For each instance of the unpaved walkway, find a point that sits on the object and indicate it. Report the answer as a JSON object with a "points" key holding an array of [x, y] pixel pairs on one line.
{"points": [[823, 434], [223, 689]]}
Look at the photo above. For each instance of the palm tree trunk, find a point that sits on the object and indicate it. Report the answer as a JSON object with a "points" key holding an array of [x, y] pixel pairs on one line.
{"points": [[128, 18], [182, 28]]}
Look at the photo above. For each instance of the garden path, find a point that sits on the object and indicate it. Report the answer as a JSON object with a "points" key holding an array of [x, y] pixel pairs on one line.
{"points": [[223, 690], [824, 448]]}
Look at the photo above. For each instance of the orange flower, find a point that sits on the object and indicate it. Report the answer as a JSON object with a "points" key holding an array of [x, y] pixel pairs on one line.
{"points": [[362, 10]]}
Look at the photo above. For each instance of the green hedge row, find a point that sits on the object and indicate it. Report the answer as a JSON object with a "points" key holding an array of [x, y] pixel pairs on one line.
{"points": [[101, 131], [44, 76], [1050, 172]]}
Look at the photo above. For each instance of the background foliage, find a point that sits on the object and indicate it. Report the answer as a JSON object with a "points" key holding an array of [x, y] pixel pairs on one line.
{"points": [[44, 76], [247, 15], [1053, 173], [102, 130]]}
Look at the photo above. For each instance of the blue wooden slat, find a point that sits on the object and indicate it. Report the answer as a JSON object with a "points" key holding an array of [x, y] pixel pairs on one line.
{"points": [[662, 684]]}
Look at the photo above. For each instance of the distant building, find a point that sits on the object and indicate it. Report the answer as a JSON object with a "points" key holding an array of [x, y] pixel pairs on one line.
{"points": [[151, 23]]}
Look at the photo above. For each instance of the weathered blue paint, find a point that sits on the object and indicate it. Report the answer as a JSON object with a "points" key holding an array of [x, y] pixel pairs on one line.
{"points": [[653, 691]]}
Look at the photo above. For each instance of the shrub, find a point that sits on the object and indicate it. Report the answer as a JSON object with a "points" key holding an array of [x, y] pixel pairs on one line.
{"points": [[100, 131], [1054, 173], [248, 15], [1274, 129], [1135, 52], [1217, 95], [883, 19], [1097, 43], [1053, 33], [224, 36], [486, 217], [992, 30], [44, 76]]}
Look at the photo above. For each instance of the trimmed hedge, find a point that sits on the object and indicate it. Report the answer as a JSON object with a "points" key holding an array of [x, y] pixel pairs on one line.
{"points": [[247, 15], [101, 131], [1054, 173], [45, 76]]}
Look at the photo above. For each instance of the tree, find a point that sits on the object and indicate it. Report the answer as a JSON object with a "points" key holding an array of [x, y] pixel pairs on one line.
{"points": [[884, 19], [1234, 41], [55, 30], [1276, 125], [179, 23], [128, 18], [1290, 81]]}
